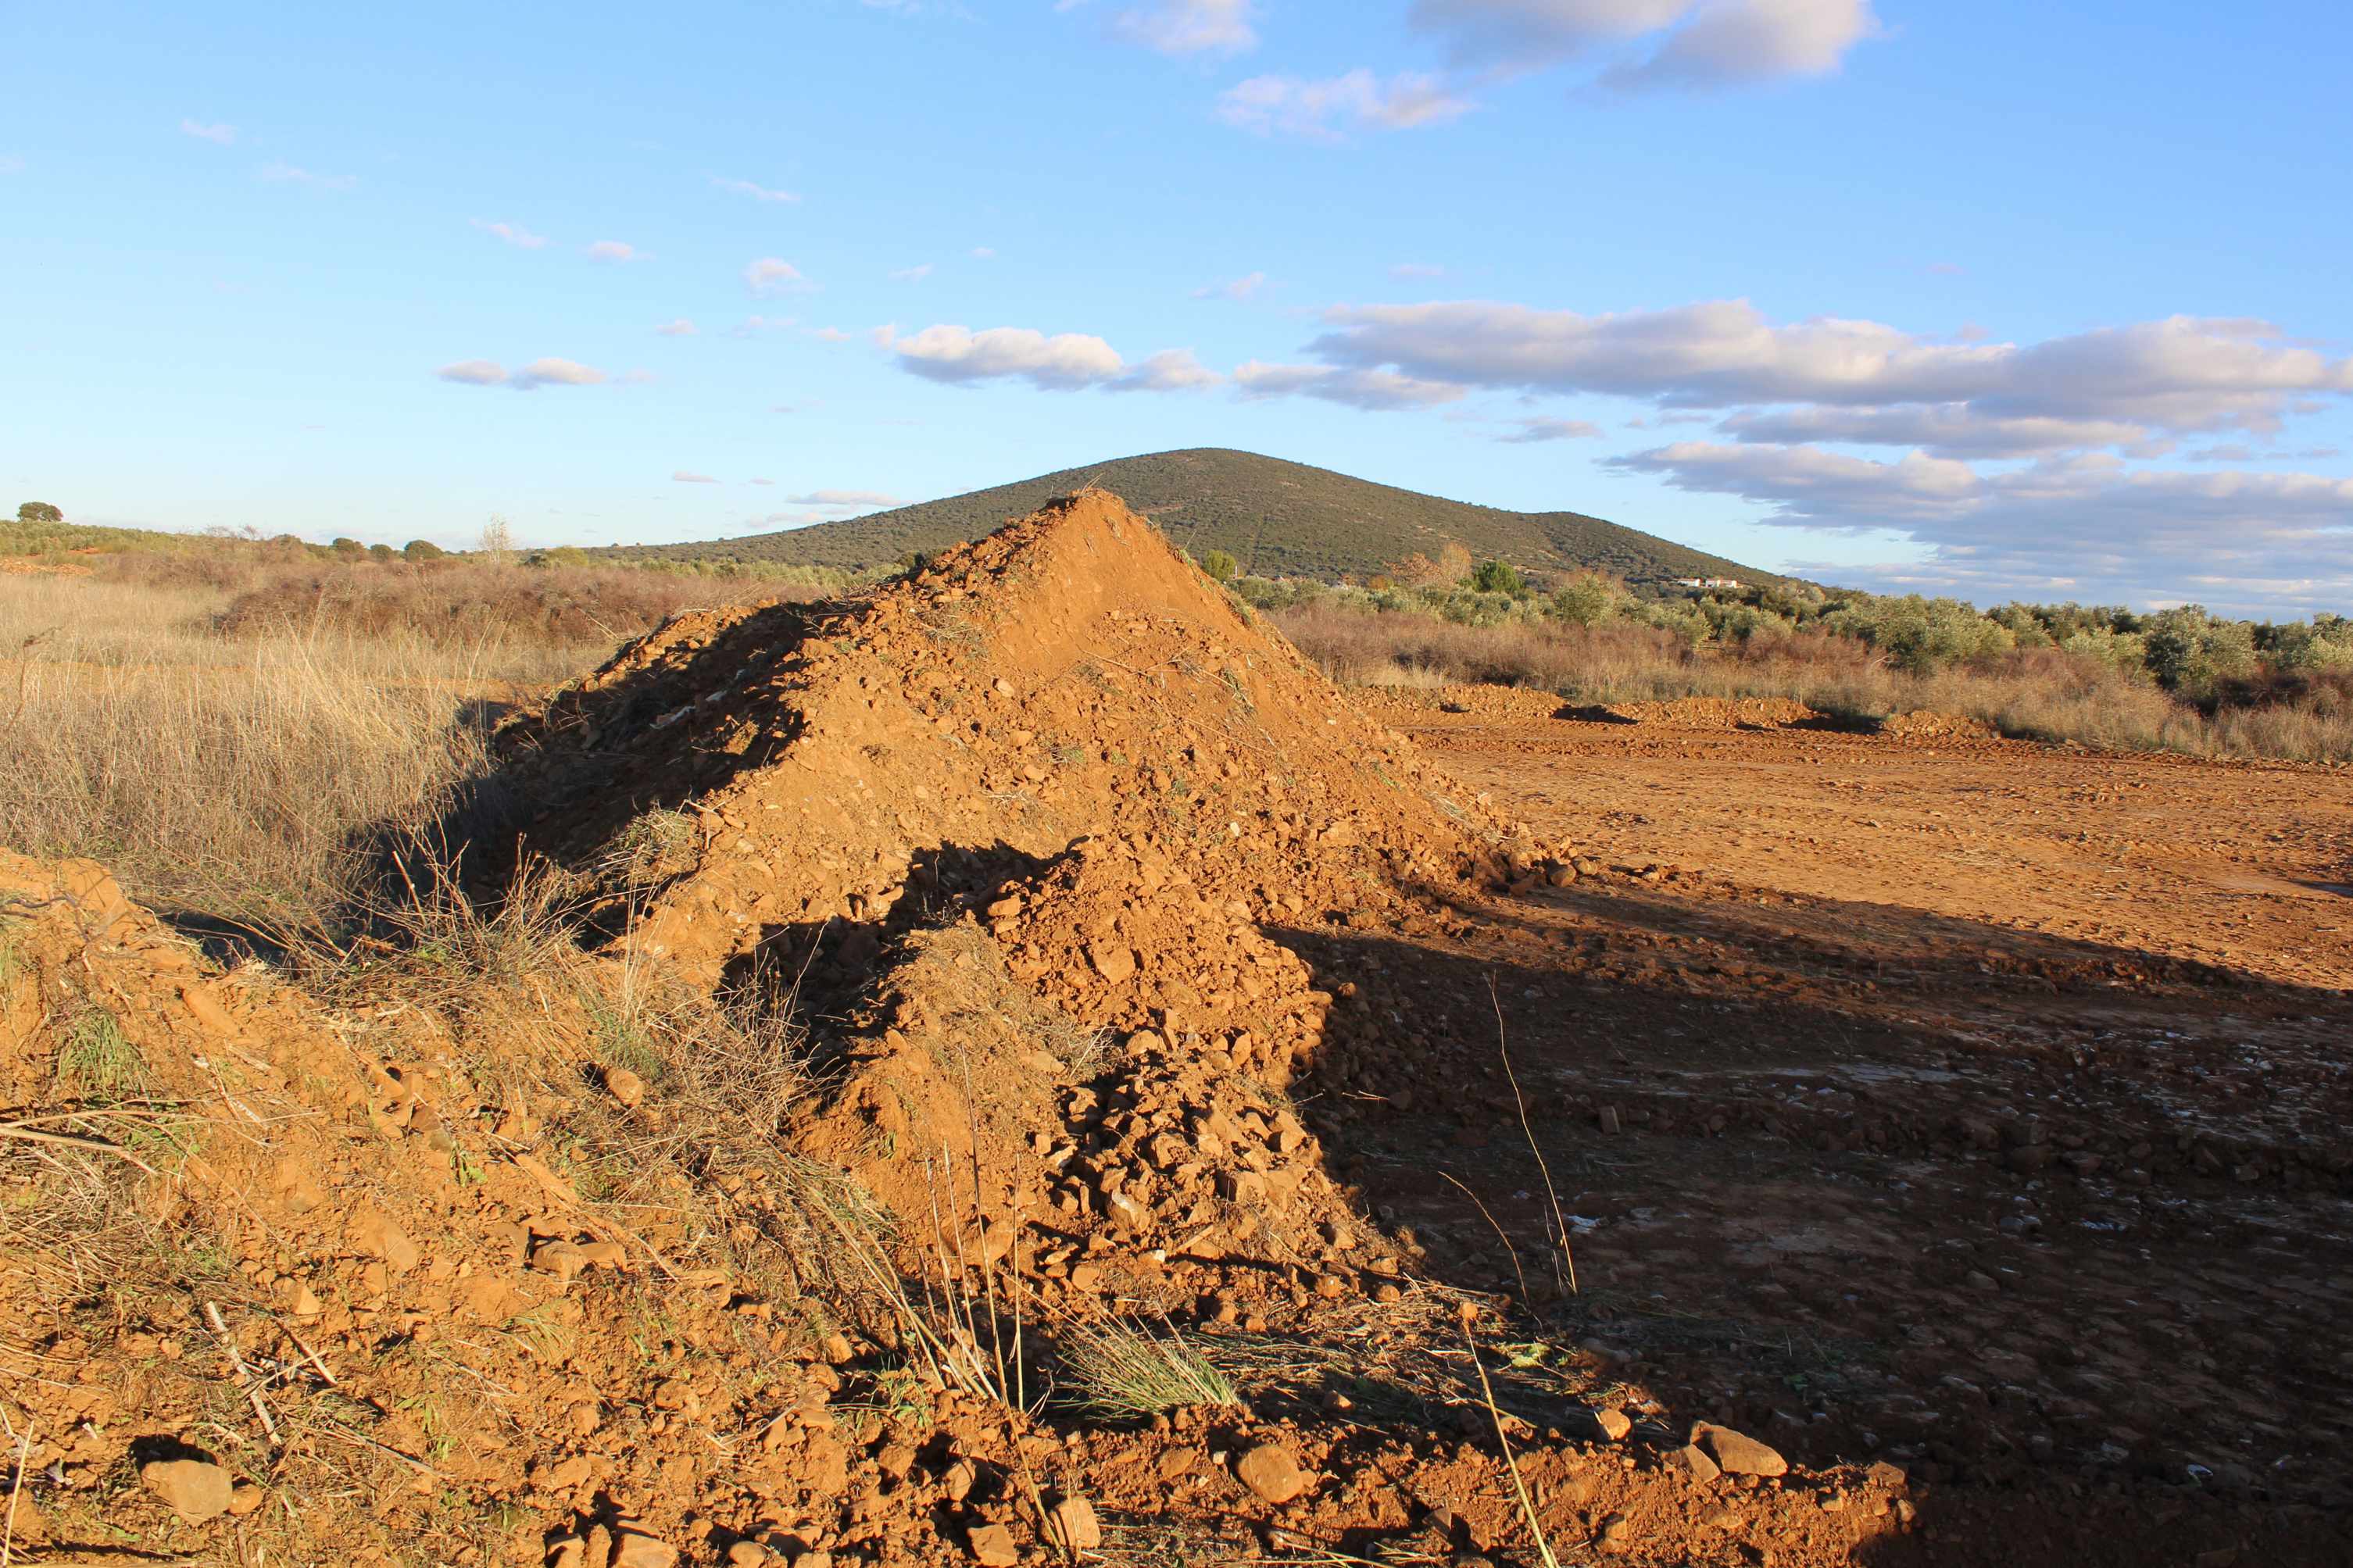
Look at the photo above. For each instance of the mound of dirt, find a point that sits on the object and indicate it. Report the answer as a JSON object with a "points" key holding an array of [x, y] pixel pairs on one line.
{"points": [[1058, 777]]}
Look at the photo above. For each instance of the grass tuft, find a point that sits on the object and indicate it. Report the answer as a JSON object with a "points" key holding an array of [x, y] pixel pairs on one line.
{"points": [[1125, 1371]]}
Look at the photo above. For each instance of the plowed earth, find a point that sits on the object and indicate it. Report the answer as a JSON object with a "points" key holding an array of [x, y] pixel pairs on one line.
{"points": [[1938, 1188]]}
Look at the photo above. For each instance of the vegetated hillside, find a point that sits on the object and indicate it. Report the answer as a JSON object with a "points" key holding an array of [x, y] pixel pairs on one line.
{"points": [[1275, 517]]}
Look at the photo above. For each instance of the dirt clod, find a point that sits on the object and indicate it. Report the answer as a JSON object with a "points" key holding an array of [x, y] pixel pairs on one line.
{"points": [[193, 1489]]}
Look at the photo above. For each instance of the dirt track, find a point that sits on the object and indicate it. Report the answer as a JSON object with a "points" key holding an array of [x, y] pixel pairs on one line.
{"points": [[1979, 1103]]}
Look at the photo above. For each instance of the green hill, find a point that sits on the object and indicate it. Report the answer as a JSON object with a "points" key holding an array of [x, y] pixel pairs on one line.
{"points": [[1275, 518]]}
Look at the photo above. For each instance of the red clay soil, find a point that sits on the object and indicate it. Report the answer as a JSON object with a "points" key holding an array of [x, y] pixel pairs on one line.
{"points": [[1146, 981]]}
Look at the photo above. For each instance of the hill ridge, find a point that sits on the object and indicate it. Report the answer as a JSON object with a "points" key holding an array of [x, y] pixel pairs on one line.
{"points": [[1275, 516]]}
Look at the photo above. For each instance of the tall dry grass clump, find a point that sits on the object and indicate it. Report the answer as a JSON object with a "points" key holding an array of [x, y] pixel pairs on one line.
{"points": [[230, 734]]}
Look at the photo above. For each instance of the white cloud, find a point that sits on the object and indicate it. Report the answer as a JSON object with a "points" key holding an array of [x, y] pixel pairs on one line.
{"points": [[752, 325], [289, 174], [1328, 108], [514, 234], [759, 481], [1416, 270], [2167, 376], [984, 253], [1065, 362], [1171, 370], [867, 499], [2081, 526], [538, 373], [757, 193], [556, 372], [685, 477], [1729, 42], [1943, 430], [831, 335], [1240, 287], [1713, 43], [1521, 35], [223, 134], [1062, 362], [614, 250], [1190, 26], [770, 276], [11, 164], [911, 274], [1373, 390], [1532, 430], [680, 328]]}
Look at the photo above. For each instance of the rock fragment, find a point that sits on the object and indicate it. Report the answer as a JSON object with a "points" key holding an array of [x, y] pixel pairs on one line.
{"points": [[1273, 1472], [193, 1489]]}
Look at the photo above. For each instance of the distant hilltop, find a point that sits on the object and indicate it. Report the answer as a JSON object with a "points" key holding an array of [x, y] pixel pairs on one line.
{"points": [[1275, 518]]}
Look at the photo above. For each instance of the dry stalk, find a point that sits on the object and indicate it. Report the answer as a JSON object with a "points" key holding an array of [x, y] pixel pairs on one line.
{"points": [[1511, 1251], [16, 1490], [245, 1378], [1519, 1487], [1519, 1100]]}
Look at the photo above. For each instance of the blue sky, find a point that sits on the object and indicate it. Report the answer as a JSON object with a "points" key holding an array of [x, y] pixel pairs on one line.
{"points": [[2001, 300]]}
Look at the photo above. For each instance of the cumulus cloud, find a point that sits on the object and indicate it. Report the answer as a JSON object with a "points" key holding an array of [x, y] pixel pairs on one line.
{"points": [[614, 250], [911, 274], [1373, 390], [538, 373], [831, 335], [514, 234], [861, 498], [556, 372], [1170, 370], [687, 477], [222, 135], [1064, 362], [2178, 374], [770, 276], [291, 174], [1326, 109], [1943, 430], [1712, 42], [757, 192], [680, 328], [1240, 287], [1730, 42], [1527, 34], [984, 253], [1190, 26], [1532, 430], [2086, 525]]}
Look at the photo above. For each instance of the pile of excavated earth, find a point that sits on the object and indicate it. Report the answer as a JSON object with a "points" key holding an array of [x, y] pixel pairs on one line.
{"points": [[854, 1125]]}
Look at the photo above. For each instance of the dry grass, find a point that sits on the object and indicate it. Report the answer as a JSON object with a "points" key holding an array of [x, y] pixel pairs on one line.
{"points": [[1125, 1371], [2036, 694], [227, 736]]}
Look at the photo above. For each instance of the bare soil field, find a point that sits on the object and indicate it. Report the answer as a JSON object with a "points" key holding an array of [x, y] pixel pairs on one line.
{"points": [[1973, 1102], [1014, 1067]]}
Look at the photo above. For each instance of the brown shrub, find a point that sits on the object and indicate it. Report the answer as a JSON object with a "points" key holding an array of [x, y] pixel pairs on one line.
{"points": [[2044, 694], [470, 603]]}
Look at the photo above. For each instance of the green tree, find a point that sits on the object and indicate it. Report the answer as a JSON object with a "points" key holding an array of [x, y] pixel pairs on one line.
{"points": [[39, 512], [347, 549], [380, 554], [422, 549], [1220, 566], [1587, 599], [1498, 577]]}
